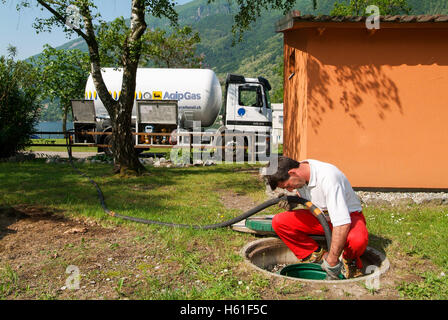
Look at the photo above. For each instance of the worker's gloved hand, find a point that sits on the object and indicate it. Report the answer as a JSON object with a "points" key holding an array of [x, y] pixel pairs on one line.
{"points": [[284, 204], [332, 272]]}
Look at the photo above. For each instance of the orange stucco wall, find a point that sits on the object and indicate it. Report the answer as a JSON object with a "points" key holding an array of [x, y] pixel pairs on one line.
{"points": [[375, 105]]}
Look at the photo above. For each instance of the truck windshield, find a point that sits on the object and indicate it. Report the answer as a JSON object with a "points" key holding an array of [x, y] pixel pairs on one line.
{"points": [[250, 96]]}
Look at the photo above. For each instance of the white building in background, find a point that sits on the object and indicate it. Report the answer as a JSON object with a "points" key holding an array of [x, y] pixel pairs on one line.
{"points": [[277, 123]]}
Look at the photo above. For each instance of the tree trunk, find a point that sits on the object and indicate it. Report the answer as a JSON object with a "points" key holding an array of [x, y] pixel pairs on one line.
{"points": [[126, 161]]}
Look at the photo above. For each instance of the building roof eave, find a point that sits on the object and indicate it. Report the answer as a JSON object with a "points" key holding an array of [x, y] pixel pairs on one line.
{"points": [[297, 21]]}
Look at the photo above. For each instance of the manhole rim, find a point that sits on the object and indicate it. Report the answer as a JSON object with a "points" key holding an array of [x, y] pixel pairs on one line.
{"points": [[383, 268]]}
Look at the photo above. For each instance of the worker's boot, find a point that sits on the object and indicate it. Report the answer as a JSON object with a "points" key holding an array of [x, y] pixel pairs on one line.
{"points": [[315, 257], [349, 269]]}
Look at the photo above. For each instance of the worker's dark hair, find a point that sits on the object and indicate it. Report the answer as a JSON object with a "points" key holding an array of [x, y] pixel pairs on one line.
{"points": [[284, 164]]}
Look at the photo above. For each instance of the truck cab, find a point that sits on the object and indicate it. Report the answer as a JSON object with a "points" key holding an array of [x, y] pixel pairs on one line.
{"points": [[248, 109]]}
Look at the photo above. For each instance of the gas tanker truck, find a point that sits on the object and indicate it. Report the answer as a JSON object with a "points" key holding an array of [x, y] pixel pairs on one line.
{"points": [[181, 101]]}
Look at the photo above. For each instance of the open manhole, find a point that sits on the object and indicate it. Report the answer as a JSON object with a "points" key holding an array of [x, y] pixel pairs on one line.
{"points": [[270, 255]]}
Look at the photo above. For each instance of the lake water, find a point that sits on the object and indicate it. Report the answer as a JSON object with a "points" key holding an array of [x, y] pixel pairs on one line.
{"points": [[51, 126]]}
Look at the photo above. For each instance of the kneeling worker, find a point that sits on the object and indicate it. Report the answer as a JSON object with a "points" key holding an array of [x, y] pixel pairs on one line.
{"points": [[327, 188]]}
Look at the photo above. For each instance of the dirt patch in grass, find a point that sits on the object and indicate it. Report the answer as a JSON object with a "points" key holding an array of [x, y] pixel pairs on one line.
{"points": [[234, 200], [38, 244]]}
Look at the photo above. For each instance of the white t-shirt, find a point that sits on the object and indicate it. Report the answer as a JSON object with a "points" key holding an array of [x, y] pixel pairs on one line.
{"points": [[330, 191]]}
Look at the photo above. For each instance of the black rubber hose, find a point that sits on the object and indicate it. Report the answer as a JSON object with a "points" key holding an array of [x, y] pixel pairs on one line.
{"points": [[224, 224], [291, 199]]}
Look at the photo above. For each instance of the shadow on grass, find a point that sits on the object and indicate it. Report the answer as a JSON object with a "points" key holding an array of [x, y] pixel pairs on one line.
{"points": [[11, 215], [212, 178], [379, 243], [8, 216], [181, 195]]}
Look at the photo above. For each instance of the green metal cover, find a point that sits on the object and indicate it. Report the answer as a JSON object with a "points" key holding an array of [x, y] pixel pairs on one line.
{"points": [[311, 271], [260, 223]]}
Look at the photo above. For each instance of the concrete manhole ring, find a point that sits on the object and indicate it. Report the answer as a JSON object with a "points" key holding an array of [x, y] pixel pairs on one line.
{"points": [[264, 253]]}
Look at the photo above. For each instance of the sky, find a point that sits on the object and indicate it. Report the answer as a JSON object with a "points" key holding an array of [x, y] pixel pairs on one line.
{"points": [[16, 26]]}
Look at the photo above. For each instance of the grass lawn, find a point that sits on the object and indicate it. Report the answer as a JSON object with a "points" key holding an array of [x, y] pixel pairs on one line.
{"points": [[51, 218], [48, 146]]}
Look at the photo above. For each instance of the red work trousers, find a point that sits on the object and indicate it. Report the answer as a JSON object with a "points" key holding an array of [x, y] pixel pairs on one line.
{"points": [[295, 226]]}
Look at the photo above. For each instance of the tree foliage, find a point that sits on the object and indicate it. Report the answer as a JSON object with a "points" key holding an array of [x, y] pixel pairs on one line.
{"points": [[51, 111], [160, 48], [63, 75], [358, 7], [175, 50], [250, 10], [19, 108]]}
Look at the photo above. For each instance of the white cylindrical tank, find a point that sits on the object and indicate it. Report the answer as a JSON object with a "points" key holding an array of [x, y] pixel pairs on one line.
{"points": [[198, 91]]}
